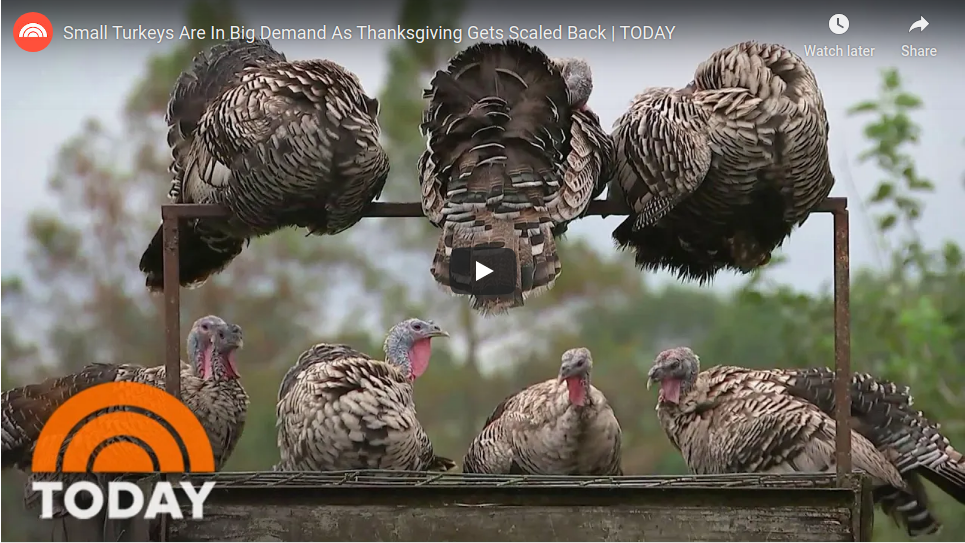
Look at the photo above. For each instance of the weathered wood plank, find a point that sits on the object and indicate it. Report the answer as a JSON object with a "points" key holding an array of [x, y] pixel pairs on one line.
{"points": [[378, 506], [372, 507], [514, 523]]}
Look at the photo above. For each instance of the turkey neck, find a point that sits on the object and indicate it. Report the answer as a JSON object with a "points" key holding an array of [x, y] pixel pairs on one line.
{"points": [[210, 363], [201, 357], [223, 366], [411, 356]]}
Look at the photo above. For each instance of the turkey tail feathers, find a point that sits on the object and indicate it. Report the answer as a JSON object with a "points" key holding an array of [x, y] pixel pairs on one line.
{"points": [[199, 257], [497, 128], [26, 409], [884, 414], [949, 478]]}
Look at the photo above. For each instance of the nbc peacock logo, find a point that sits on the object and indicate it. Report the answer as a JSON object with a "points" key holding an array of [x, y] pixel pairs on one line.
{"points": [[122, 427], [33, 32]]}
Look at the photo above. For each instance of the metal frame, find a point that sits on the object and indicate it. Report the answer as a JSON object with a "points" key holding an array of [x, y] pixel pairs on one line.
{"points": [[172, 214]]}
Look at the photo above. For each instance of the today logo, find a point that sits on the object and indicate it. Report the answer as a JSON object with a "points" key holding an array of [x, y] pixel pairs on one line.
{"points": [[33, 32], [122, 428]]}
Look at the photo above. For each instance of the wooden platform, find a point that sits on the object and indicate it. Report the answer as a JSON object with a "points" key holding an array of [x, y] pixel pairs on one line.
{"points": [[386, 506]]}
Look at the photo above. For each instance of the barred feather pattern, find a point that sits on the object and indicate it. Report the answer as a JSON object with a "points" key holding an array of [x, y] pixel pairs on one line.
{"points": [[508, 162], [539, 431], [883, 412], [340, 409], [279, 144], [220, 405], [718, 173], [736, 420]]}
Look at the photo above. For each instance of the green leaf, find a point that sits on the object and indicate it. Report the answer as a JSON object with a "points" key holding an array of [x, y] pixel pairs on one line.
{"points": [[891, 79], [952, 254], [868, 106], [906, 204], [887, 222], [921, 184], [907, 100], [885, 190]]}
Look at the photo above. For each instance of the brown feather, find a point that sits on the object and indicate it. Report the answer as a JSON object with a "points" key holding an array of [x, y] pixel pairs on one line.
{"points": [[539, 431], [341, 409], [735, 420], [508, 163], [719, 172]]}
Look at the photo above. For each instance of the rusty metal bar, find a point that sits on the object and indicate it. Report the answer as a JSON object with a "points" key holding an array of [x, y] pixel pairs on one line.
{"points": [[414, 209], [842, 343], [172, 302], [170, 232]]}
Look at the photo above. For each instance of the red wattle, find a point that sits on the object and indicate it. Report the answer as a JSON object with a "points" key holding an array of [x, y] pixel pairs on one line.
{"points": [[419, 357], [576, 389]]}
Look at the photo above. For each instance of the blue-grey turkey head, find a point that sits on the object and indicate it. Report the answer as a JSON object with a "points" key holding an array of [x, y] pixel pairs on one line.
{"points": [[718, 173], [212, 348], [278, 143], [210, 387], [409, 345], [728, 419], [513, 154], [561, 426], [340, 409]]}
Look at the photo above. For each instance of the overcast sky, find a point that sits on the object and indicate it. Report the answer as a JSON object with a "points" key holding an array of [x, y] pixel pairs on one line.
{"points": [[46, 95]]}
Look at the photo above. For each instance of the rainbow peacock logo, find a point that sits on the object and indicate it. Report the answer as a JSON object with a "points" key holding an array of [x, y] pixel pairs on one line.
{"points": [[122, 427]]}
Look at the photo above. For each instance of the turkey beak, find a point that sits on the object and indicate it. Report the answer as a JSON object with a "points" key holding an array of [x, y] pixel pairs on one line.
{"points": [[438, 332], [235, 339], [651, 375], [568, 370]]}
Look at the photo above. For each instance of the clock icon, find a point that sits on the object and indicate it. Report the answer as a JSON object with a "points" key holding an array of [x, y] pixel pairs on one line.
{"points": [[839, 23]]}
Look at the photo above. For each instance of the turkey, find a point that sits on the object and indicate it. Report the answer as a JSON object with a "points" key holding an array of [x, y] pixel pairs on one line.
{"points": [[277, 143], [718, 173], [734, 420], [513, 155], [340, 409], [561, 426], [210, 387]]}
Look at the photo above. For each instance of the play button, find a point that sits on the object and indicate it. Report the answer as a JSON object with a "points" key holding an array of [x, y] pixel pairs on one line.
{"points": [[482, 271]]}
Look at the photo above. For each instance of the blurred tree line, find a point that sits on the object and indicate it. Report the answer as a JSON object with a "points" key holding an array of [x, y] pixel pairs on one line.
{"points": [[85, 301]]}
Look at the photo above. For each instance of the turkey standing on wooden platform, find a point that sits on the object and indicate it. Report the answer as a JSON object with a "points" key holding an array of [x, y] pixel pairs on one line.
{"points": [[562, 426], [278, 143], [210, 387], [718, 173], [340, 409], [735, 420], [513, 155]]}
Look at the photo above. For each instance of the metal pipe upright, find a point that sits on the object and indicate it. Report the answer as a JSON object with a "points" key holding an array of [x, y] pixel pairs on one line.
{"points": [[172, 302], [842, 342]]}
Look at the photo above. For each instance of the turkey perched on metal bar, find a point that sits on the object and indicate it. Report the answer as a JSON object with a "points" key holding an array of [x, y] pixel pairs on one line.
{"points": [[717, 174], [562, 426], [280, 144], [210, 387], [341, 409], [513, 155], [735, 420]]}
